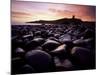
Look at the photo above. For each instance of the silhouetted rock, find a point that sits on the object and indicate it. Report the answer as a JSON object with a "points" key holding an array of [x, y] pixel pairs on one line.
{"points": [[30, 37], [81, 57], [57, 35], [59, 21], [37, 33], [87, 43], [32, 44], [27, 69], [17, 43], [79, 42], [19, 52], [60, 52], [16, 64], [89, 34], [40, 60], [53, 38], [40, 41], [50, 45]]}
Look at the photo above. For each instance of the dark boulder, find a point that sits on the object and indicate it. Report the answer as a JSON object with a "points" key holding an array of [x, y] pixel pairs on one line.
{"points": [[16, 64], [27, 69], [40, 60], [31, 45], [17, 43], [40, 41], [19, 52], [50, 45], [79, 42], [82, 57], [87, 43], [60, 52], [64, 37]]}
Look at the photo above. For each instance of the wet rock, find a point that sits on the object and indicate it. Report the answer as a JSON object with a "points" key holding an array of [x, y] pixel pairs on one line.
{"points": [[60, 52], [37, 33], [81, 57], [59, 48], [52, 38], [40, 41], [39, 48], [17, 43], [31, 45], [27, 69], [88, 33], [57, 35], [63, 65], [40, 60], [17, 63], [50, 34], [64, 37], [79, 42], [84, 42], [19, 52], [88, 40], [30, 37], [50, 45], [75, 49]]}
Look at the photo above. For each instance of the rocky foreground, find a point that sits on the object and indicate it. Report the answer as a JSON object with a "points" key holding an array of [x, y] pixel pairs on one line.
{"points": [[51, 48]]}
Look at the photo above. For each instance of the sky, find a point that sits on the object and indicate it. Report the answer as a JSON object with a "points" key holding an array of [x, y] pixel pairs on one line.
{"points": [[25, 11]]}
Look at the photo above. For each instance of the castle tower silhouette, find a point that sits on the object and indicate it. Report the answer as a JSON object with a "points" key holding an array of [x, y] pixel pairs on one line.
{"points": [[73, 17]]}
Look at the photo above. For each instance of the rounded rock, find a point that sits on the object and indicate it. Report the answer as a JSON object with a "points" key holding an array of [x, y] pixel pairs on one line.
{"points": [[19, 52], [39, 60], [50, 45], [81, 57]]}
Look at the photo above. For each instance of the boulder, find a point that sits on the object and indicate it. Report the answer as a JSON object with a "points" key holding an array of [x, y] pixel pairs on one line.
{"points": [[40, 60], [50, 45], [19, 52], [16, 64], [81, 57], [65, 37], [40, 41], [60, 51], [87, 43], [31, 45], [27, 69]]}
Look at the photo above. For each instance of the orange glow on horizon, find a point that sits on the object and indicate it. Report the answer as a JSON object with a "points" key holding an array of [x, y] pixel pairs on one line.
{"points": [[32, 11]]}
